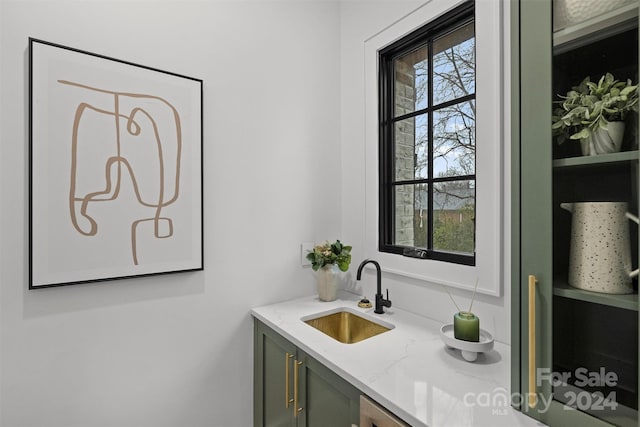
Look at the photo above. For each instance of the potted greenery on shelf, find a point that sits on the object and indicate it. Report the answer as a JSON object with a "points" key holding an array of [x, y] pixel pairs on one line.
{"points": [[594, 113], [326, 259]]}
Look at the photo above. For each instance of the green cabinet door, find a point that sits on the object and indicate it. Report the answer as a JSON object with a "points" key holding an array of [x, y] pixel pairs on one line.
{"points": [[330, 401], [293, 389], [562, 334], [534, 195], [274, 360]]}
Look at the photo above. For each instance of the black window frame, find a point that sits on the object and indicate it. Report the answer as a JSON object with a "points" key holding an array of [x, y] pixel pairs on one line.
{"points": [[461, 15]]}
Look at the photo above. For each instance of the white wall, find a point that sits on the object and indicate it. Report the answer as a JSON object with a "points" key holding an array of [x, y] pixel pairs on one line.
{"points": [[284, 133], [176, 350], [423, 298]]}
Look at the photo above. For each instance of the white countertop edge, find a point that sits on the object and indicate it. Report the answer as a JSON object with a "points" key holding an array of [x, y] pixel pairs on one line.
{"points": [[285, 318], [381, 399]]}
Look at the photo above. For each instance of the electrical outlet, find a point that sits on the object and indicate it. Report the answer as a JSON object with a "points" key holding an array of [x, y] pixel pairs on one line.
{"points": [[305, 248]]}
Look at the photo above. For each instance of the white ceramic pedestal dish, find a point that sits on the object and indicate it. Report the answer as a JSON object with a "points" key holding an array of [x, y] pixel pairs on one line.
{"points": [[469, 349]]}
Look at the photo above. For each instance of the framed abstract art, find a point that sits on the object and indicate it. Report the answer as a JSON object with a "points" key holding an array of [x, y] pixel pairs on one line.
{"points": [[115, 168]]}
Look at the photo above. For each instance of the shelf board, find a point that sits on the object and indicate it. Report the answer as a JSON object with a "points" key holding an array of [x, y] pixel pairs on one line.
{"points": [[627, 302], [596, 28], [623, 416], [623, 156]]}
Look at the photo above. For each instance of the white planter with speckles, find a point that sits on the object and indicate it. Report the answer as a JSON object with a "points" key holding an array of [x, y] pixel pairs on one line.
{"points": [[599, 258]]}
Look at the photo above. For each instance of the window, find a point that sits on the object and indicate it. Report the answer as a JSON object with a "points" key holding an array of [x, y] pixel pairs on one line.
{"points": [[427, 131], [485, 264]]}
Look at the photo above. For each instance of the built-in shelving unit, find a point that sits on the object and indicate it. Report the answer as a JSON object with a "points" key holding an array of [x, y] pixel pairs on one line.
{"points": [[602, 44], [575, 330]]}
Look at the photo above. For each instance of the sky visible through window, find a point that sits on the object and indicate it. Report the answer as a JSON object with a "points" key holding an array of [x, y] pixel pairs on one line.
{"points": [[454, 126]]}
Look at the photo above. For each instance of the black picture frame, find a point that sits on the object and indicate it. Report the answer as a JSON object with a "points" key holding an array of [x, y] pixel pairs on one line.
{"points": [[115, 168]]}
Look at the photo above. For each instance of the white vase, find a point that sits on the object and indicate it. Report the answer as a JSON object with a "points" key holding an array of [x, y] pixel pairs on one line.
{"points": [[328, 282], [602, 141], [599, 254]]}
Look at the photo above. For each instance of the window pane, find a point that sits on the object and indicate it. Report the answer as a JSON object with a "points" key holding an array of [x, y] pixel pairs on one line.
{"points": [[410, 85], [411, 215], [454, 64], [411, 148], [427, 122], [454, 140], [454, 206]]}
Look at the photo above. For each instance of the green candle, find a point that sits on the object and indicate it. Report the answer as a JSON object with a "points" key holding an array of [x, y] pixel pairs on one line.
{"points": [[466, 326]]}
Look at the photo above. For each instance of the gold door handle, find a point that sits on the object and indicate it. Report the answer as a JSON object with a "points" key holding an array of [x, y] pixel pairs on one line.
{"points": [[296, 409], [287, 399], [532, 397]]}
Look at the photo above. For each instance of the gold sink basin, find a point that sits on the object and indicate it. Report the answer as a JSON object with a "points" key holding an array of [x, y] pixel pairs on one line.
{"points": [[346, 326]]}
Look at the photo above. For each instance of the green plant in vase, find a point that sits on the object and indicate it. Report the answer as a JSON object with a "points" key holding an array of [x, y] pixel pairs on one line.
{"points": [[330, 254], [325, 258], [594, 114]]}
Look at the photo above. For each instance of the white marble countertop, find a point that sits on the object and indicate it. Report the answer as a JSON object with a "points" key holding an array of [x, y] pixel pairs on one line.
{"points": [[408, 370]]}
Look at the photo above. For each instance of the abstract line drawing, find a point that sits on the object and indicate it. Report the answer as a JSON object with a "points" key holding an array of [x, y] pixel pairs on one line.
{"points": [[115, 168], [127, 121]]}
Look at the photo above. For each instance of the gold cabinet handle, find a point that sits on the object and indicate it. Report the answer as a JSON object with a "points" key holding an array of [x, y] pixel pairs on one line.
{"points": [[296, 409], [533, 398], [287, 399]]}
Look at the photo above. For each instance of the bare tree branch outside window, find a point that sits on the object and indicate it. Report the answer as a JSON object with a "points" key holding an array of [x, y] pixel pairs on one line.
{"points": [[453, 141]]}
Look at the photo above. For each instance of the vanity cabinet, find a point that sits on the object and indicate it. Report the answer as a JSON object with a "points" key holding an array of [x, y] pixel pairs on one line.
{"points": [[574, 352], [294, 390]]}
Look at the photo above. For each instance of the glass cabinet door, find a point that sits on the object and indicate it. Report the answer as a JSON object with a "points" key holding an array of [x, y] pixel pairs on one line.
{"points": [[595, 301], [578, 241]]}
